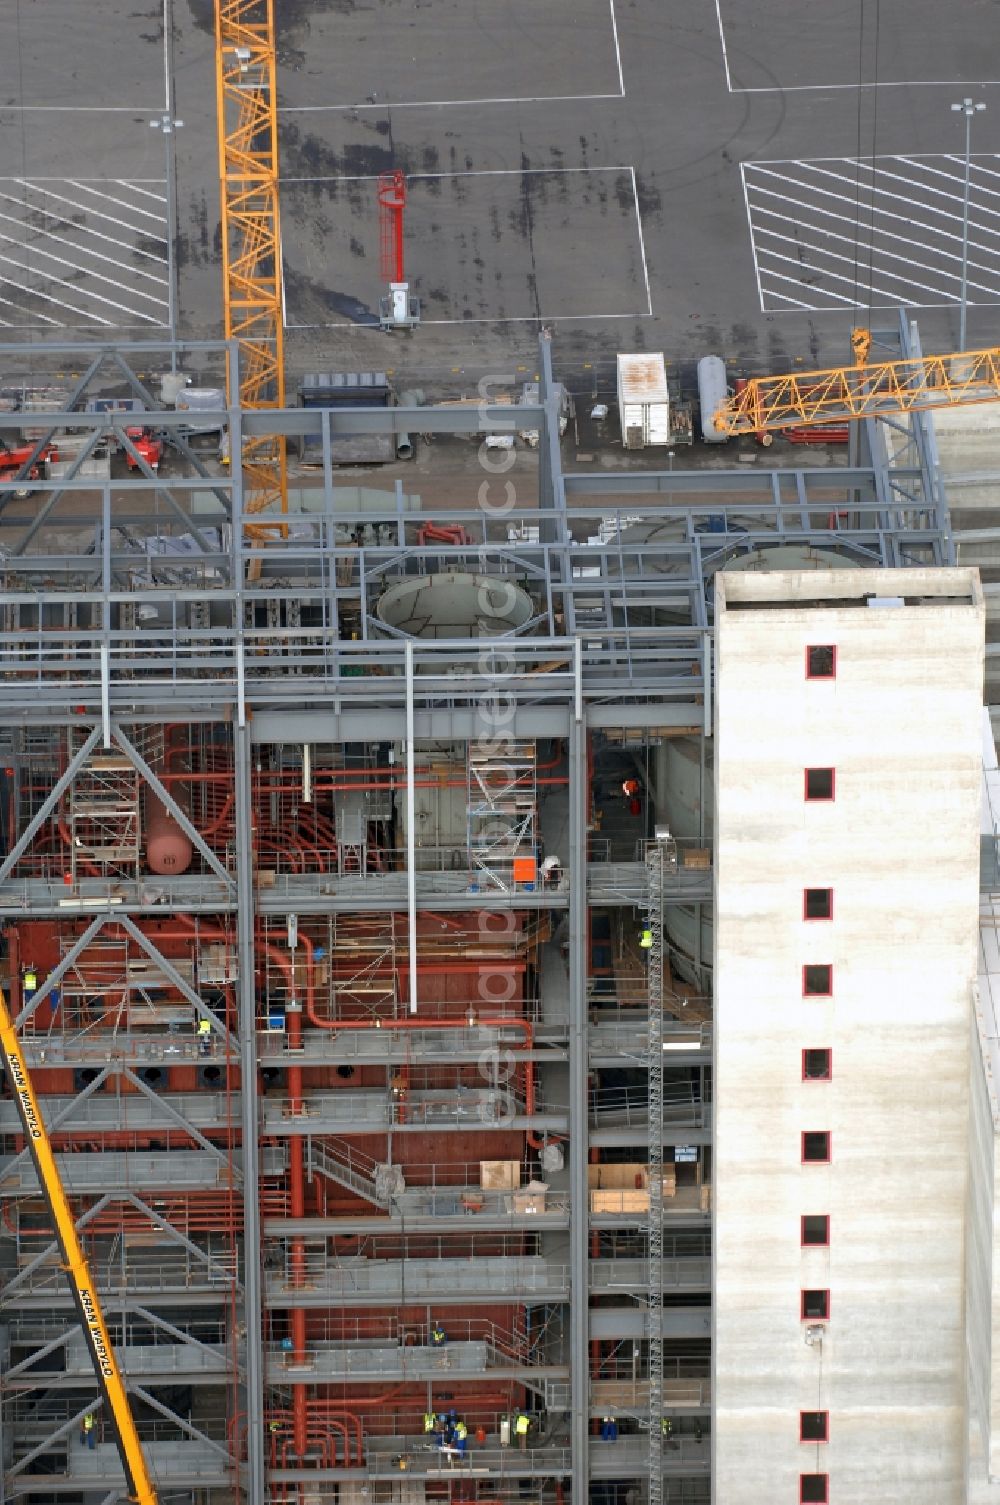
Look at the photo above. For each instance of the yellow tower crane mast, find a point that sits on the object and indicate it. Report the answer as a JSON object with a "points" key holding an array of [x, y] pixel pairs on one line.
{"points": [[882, 389], [117, 1407], [247, 121]]}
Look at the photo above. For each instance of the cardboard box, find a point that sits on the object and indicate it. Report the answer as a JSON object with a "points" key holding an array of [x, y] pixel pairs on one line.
{"points": [[706, 1199], [499, 1175], [619, 1201], [531, 1199], [699, 857]]}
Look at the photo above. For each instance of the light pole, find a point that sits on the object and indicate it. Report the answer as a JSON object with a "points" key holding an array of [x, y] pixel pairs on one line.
{"points": [[170, 125], [968, 109]]}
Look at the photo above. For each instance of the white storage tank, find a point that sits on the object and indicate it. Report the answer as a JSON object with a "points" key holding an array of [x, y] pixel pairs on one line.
{"points": [[712, 391], [643, 402]]}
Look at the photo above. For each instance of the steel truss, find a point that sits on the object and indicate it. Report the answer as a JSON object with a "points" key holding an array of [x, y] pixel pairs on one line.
{"points": [[224, 629]]}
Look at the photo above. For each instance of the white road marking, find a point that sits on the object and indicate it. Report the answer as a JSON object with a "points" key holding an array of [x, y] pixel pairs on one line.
{"points": [[725, 50], [61, 240], [882, 252], [34, 249], [895, 222], [508, 319], [823, 213], [618, 51], [471, 172], [494, 172], [642, 243], [896, 83], [53, 253], [506, 99], [87, 208], [35, 292], [86, 229], [122, 203]]}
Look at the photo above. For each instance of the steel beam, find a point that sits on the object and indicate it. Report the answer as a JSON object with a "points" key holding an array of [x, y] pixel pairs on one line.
{"points": [[49, 804], [167, 800]]}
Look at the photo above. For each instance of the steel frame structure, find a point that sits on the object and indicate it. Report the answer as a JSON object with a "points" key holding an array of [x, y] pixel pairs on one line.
{"points": [[270, 662]]}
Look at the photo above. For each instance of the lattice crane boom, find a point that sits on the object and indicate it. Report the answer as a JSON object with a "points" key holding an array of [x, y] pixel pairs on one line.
{"points": [[883, 389], [247, 122]]}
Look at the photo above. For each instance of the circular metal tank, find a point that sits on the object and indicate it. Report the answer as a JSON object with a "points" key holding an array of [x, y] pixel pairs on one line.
{"points": [[455, 605], [168, 849]]}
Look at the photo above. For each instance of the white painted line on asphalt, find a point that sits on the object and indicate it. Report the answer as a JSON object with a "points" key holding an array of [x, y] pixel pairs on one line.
{"points": [[87, 208], [894, 254], [160, 198], [746, 206], [810, 307], [45, 318], [122, 203], [471, 172], [73, 245], [74, 109], [881, 251], [509, 319], [861, 274], [490, 172], [903, 219], [35, 248], [96, 234], [62, 260], [642, 244], [896, 83], [618, 51], [35, 292], [725, 50], [442, 104]]}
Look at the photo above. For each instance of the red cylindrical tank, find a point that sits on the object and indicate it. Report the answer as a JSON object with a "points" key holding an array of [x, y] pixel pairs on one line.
{"points": [[168, 848]]}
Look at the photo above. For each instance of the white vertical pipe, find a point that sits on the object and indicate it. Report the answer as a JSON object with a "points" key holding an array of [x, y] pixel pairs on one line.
{"points": [[411, 823], [307, 775]]}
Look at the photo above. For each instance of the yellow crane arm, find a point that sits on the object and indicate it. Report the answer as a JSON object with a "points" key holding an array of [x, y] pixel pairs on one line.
{"points": [[771, 403], [109, 1379]]}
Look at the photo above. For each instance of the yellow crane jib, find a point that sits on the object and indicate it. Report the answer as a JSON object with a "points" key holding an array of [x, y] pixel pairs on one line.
{"points": [[770, 403], [109, 1379]]}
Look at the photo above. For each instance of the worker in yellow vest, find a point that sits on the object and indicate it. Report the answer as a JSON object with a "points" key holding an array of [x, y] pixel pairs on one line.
{"points": [[521, 1424], [203, 1030], [87, 1430], [430, 1421], [646, 940]]}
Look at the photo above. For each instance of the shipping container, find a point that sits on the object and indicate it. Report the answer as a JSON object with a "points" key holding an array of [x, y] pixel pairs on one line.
{"points": [[643, 401]]}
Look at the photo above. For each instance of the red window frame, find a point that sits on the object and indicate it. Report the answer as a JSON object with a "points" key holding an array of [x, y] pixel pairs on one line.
{"points": [[829, 1062], [833, 649], [826, 1426], [813, 918], [827, 1158], [819, 799], [812, 1243], [818, 1499], [812, 992], [814, 1291]]}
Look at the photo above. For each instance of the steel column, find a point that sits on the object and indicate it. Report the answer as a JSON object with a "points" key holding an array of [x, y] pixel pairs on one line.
{"points": [[253, 1311], [579, 1322]]}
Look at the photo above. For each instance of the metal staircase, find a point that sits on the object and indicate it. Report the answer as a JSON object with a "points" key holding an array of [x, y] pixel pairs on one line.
{"points": [[502, 804], [337, 1160]]}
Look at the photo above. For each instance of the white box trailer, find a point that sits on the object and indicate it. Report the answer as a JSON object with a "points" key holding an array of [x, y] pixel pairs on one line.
{"points": [[643, 401]]}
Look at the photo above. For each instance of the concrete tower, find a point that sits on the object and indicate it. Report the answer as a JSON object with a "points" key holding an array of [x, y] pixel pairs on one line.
{"points": [[848, 776]]}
